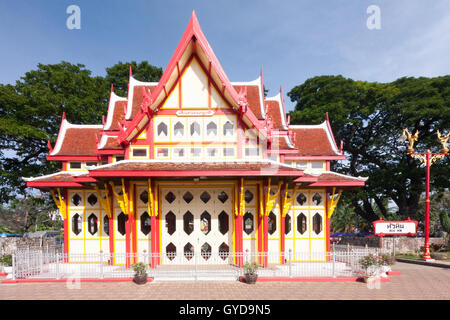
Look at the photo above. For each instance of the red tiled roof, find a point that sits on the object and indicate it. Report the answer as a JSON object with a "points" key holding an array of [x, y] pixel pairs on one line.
{"points": [[312, 142], [112, 143], [279, 142], [79, 142], [332, 176], [273, 112], [137, 98], [253, 99], [118, 114]]}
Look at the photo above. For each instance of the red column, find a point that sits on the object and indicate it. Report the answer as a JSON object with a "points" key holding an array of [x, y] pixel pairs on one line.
{"points": [[426, 255], [111, 225], [266, 240], [327, 231], [282, 222], [134, 224], [239, 240], [127, 232], [66, 227], [154, 230], [239, 245]]}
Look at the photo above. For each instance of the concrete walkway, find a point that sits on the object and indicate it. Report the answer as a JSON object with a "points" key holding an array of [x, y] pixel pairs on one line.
{"points": [[415, 282]]}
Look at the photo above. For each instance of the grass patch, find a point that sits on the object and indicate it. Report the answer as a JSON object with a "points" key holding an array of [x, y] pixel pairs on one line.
{"points": [[414, 256]]}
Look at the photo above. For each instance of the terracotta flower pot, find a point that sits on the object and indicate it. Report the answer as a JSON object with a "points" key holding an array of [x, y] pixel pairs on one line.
{"points": [[140, 278], [250, 278]]}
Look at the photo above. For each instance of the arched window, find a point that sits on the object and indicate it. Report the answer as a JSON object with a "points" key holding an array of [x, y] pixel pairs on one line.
{"points": [[121, 223], [301, 223], [92, 224], [145, 223], [195, 129], [228, 129], [77, 224], [178, 129], [211, 129], [162, 129]]}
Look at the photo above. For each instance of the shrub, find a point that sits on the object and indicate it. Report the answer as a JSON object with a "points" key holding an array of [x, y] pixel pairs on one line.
{"points": [[386, 259], [250, 267], [6, 260], [139, 268], [369, 260]]}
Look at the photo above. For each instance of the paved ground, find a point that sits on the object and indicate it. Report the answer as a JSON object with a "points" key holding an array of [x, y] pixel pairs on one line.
{"points": [[415, 282]]}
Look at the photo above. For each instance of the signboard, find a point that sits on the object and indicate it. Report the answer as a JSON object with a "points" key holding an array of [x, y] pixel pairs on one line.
{"points": [[394, 228]]}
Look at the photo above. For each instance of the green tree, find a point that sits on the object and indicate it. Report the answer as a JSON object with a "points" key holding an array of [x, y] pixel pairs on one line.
{"points": [[30, 214], [118, 75], [31, 110], [369, 118]]}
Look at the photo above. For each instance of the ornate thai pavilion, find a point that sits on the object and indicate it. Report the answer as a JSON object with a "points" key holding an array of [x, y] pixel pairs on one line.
{"points": [[195, 163]]}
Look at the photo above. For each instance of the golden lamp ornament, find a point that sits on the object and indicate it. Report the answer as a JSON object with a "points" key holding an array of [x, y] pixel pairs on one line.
{"points": [[411, 138], [443, 140]]}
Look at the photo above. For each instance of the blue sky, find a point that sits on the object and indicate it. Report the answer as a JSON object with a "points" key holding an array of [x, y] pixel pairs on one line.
{"points": [[292, 40]]}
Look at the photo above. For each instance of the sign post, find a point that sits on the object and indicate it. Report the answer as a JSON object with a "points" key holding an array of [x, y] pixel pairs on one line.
{"points": [[394, 228]]}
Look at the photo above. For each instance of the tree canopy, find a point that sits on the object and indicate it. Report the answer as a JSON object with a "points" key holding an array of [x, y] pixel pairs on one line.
{"points": [[369, 118], [31, 111]]}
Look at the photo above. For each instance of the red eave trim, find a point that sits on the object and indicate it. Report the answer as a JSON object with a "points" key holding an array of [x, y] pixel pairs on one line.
{"points": [[306, 179], [194, 173], [337, 157], [109, 151], [53, 184], [283, 151], [73, 158], [84, 179], [335, 183]]}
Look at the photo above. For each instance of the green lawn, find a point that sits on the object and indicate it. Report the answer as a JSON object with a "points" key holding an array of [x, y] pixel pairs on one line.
{"points": [[413, 256]]}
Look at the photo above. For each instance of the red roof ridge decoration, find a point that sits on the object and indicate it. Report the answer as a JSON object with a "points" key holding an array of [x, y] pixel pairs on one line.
{"points": [[193, 34], [132, 84], [258, 83]]}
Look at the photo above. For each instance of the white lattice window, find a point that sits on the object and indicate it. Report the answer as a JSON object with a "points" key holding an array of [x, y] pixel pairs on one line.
{"points": [[211, 129], [162, 153], [228, 129], [179, 153], [196, 153], [178, 129], [301, 165], [141, 153], [229, 152], [212, 152], [317, 165]]}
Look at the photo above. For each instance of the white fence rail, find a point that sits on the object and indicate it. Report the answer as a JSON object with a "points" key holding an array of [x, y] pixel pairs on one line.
{"points": [[170, 266]]}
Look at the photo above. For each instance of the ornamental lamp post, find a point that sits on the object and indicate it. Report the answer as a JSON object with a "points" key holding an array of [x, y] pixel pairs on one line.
{"points": [[428, 158]]}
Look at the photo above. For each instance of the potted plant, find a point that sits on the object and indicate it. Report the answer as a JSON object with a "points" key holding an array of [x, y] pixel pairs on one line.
{"points": [[370, 264], [6, 262], [140, 274], [386, 261], [250, 273]]}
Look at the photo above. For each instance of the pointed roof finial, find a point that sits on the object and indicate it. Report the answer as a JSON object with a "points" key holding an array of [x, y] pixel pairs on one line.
{"points": [[262, 79], [131, 71], [64, 115], [112, 87]]}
